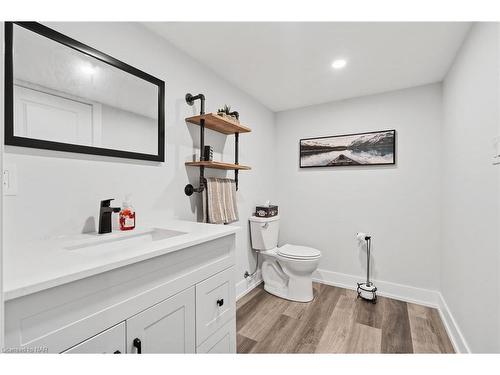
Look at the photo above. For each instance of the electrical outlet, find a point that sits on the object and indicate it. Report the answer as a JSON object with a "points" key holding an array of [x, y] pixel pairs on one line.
{"points": [[9, 179]]}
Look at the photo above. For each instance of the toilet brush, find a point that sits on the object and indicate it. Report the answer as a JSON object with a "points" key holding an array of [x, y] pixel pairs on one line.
{"points": [[367, 290]]}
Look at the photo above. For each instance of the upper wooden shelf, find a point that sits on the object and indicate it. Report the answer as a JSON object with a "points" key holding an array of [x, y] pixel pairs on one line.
{"points": [[220, 124], [217, 165]]}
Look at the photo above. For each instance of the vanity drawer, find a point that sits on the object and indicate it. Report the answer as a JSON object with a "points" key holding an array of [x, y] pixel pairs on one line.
{"points": [[215, 303], [111, 340], [222, 341]]}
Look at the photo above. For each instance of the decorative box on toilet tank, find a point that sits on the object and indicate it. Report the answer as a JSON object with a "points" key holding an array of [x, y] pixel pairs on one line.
{"points": [[266, 211]]}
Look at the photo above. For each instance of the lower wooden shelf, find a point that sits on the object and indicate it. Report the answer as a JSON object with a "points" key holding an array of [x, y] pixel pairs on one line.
{"points": [[217, 165]]}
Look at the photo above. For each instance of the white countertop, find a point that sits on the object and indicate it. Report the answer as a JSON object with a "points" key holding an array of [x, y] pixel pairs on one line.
{"points": [[40, 265]]}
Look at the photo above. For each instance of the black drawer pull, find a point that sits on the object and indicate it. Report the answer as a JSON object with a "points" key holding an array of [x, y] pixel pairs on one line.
{"points": [[137, 344], [220, 302]]}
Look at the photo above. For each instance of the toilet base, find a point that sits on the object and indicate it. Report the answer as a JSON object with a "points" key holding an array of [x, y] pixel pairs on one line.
{"points": [[288, 279], [284, 293]]}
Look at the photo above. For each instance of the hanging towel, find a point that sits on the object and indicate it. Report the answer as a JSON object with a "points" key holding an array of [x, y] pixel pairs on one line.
{"points": [[219, 201]]}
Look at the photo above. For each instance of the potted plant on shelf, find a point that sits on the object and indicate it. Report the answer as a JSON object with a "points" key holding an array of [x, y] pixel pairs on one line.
{"points": [[226, 112]]}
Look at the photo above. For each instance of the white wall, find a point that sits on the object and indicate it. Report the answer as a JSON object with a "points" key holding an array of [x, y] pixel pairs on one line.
{"points": [[398, 205], [118, 127], [470, 248], [59, 193]]}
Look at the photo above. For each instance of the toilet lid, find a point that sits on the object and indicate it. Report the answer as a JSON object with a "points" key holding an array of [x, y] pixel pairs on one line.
{"points": [[298, 252]]}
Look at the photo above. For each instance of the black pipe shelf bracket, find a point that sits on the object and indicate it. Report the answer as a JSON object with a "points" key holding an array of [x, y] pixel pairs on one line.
{"points": [[224, 126], [190, 99]]}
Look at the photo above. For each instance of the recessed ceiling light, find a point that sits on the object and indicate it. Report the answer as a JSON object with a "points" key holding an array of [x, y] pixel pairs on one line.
{"points": [[339, 64]]}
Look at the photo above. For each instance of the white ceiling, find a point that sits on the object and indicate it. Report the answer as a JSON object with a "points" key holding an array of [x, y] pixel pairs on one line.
{"points": [[288, 65]]}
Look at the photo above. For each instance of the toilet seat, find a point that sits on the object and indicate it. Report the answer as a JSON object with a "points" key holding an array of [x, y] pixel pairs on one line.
{"points": [[298, 252]]}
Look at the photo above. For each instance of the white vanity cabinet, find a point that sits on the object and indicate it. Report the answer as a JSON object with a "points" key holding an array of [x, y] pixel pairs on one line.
{"points": [[179, 302]]}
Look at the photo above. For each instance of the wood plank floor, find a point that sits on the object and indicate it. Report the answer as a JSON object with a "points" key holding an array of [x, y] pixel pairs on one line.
{"points": [[337, 322]]}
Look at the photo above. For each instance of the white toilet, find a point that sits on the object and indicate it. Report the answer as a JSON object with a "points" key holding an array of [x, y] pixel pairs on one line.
{"points": [[286, 270]]}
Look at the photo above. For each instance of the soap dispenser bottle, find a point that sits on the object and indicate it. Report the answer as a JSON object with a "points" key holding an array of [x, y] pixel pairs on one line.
{"points": [[127, 215]]}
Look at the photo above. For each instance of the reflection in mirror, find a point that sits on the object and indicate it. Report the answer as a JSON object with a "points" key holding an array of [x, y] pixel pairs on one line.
{"points": [[63, 95]]}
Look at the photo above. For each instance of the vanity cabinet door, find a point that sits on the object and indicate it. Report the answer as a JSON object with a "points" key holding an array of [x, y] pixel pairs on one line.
{"points": [[167, 327], [111, 340]]}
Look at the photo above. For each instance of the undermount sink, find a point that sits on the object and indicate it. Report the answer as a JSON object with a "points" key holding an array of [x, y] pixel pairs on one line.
{"points": [[121, 240]]}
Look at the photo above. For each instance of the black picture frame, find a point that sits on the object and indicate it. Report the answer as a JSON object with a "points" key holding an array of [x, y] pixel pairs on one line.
{"points": [[13, 140], [348, 135]]}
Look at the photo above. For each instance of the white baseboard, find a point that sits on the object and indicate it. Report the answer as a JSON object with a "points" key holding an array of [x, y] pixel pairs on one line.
{"points": [[452, 328], [426, 297], [246, 285], [401, 292]]}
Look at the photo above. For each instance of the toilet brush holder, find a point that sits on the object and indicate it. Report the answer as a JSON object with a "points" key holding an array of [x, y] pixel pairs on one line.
{"points": [[367, 290]]}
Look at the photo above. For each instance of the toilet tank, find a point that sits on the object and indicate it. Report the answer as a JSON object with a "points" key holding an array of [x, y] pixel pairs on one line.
{"points": [[264, 232]]}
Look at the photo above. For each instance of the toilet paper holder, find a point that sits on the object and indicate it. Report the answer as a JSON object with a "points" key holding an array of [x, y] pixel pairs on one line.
{"points": [[367, 290]]}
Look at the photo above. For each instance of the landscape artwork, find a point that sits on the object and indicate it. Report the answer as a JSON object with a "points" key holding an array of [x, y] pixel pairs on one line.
{"points": [[374, 148]]}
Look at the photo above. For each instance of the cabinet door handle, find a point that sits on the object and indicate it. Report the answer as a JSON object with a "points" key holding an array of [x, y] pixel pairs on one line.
{"points": [[220, 302], [137, 344]]}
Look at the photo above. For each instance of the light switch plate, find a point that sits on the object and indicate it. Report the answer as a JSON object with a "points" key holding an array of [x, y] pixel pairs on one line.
{"points": [[9, 179]]}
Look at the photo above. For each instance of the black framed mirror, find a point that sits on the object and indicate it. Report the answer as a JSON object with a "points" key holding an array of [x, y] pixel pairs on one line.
{"points": [[63, 95]]}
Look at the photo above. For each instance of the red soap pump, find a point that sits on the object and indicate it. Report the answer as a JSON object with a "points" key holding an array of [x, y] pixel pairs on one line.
{"points": [[127, 215]]}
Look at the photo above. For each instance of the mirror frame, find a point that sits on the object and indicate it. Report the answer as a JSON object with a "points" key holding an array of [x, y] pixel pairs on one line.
{"points": [[13, 140]]}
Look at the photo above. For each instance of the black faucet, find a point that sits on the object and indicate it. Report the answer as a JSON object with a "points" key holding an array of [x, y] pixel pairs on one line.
{"points": [[105, 216]]}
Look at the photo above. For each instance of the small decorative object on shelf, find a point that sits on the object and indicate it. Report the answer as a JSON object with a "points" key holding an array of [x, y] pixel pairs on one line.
{"points": [[226, 112], [208, 153], [266, 211]]}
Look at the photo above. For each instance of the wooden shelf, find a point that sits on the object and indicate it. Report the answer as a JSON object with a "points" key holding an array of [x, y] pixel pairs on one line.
{"points": [[217, 165], [220, 124]]}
